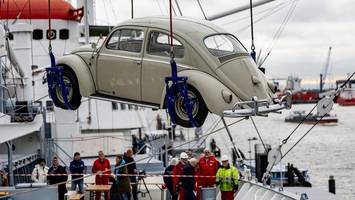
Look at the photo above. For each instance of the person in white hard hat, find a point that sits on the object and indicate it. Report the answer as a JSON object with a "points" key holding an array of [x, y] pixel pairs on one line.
{"points": [[227, 178], [179, 170]]}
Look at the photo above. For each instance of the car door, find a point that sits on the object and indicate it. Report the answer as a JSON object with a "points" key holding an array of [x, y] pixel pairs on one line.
{"points": [[156, 63], [119, 63]]}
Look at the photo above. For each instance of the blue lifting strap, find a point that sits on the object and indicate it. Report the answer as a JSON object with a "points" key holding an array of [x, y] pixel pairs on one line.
{"points": [[176, 87], [55, 80]]}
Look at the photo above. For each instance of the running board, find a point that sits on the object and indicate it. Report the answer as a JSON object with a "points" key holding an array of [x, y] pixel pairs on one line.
{"points": [[259, 107], [109, 98]]}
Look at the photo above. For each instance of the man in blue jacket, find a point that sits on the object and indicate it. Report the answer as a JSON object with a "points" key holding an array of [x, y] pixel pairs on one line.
{"points": [[77, 166]]}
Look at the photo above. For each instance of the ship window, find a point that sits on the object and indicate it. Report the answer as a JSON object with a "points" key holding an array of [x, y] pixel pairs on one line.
{"points": [[52, 35], [123, 106], [130, 107], [63, 34], [114, 106], [37, 34], [127, 40], [159, 45]]}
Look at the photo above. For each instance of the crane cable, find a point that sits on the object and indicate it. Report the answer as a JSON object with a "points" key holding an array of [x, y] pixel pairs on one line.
{"points": [[253, 54], [309, 130], [279, 31]]}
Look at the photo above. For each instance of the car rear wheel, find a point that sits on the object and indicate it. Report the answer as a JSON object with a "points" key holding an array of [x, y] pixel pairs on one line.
{"points": [[74, 97], [199, 110]]}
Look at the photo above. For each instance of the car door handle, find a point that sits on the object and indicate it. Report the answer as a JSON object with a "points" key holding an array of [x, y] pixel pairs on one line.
{"points": [[138, 62]]}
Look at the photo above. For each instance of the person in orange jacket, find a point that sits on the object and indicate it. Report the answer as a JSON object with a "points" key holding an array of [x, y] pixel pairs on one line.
{"points": [[101, 168], [207, 165], [179, 170]]}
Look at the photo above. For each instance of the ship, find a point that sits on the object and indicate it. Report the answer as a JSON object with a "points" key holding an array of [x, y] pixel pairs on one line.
{"points": [[298, 116], [346, 96]]}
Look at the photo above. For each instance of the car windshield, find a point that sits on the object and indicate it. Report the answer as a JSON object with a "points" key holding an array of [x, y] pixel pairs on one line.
{"points": [[223, 44]]}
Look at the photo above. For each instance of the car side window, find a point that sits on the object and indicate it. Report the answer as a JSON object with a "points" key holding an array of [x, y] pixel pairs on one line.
{"points": [[159, 45], [126, 40]]}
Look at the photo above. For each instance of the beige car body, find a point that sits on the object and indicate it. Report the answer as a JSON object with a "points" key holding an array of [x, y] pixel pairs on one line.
{"points": [[138, 77]]}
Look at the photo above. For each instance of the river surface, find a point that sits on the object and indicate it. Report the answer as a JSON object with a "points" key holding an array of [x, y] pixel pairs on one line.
{"points": [[326, 150]]}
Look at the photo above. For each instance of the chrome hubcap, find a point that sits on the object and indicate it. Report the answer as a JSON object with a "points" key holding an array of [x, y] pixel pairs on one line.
{"points": [[70, 90], [180, 109]]}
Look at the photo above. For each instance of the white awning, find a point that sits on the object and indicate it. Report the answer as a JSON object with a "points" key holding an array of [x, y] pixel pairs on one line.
{"points": [[11, 131]]}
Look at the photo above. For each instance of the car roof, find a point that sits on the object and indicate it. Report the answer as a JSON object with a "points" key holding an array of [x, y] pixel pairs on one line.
{"points": [[181, 25]]}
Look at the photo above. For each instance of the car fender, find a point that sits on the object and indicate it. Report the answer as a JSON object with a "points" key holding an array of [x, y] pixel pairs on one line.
{"points": [[82, 72], [212, 91]]}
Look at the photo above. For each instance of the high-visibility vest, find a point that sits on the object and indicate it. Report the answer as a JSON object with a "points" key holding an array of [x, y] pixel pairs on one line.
{"points": [[227, 178]]}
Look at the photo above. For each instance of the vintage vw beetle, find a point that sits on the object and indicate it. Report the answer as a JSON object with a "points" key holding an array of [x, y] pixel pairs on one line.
{"points": [[133, 61]]}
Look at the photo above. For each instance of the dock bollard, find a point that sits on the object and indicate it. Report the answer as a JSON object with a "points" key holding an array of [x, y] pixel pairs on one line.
{"points": [[331, 184]]}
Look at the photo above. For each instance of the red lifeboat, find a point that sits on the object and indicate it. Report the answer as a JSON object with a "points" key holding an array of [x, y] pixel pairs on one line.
{"points": [[38, 9]]}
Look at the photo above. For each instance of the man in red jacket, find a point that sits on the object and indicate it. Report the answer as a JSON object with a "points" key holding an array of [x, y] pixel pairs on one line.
{"points": [[179, 170], [101, 168], [207, 166]]}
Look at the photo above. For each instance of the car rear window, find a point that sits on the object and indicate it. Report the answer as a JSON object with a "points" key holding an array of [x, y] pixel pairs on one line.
{"points": [[224, 46]]}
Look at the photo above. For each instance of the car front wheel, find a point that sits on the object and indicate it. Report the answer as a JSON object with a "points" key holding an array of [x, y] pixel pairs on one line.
{"points": [[199, 109], [74, 97]]}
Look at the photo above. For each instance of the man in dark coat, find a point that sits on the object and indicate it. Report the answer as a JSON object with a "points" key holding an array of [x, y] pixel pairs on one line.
{"points": [[58, 175], [188, 183], [77, 166], [132, 169], [121, 187], [168, 179]]}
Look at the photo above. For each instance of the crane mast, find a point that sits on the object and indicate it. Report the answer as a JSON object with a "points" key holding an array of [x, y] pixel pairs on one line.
{"points": [[323, 75]]}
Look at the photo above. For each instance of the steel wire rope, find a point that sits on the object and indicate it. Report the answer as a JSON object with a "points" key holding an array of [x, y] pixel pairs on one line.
{"points": [[257, 131], [309, 130], [280, 30], [257, 13], [268, 14]]}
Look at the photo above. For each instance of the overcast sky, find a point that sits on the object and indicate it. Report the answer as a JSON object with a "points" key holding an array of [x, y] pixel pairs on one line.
{"points": [[303, 46]]}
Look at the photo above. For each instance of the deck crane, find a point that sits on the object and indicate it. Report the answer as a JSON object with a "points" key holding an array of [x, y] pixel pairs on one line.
{"points": [[323, 75]]}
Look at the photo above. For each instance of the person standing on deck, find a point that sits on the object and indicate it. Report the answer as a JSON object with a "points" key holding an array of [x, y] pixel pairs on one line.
{"points": [[227, 178], [168, 180], [102, 169], [39, 173], [77, 166], [132, 169], [58, 175], [179, 170], [188, 183], [121, 187], [207, 166]]}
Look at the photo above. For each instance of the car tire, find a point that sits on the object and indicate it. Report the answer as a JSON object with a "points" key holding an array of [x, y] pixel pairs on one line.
{"points": [[74, 96], [200, 110]]}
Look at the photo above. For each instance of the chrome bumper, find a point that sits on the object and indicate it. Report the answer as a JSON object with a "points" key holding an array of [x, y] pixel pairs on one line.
{"points": [[259, 107]]}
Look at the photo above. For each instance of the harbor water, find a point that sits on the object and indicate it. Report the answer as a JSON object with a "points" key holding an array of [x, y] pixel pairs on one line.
{"points": [[326, 150]]}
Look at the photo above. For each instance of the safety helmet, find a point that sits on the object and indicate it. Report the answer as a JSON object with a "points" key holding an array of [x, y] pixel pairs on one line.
{"points": [[224, 158], [184, 155]]}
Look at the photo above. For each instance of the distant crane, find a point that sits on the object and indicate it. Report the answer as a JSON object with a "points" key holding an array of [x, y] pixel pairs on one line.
{"points": [[323, 75]]}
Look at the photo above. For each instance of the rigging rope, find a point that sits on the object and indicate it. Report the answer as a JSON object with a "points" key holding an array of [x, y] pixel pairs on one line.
{"points": [[257, 131], [286, 139], [280, 30], [252, 31]]}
